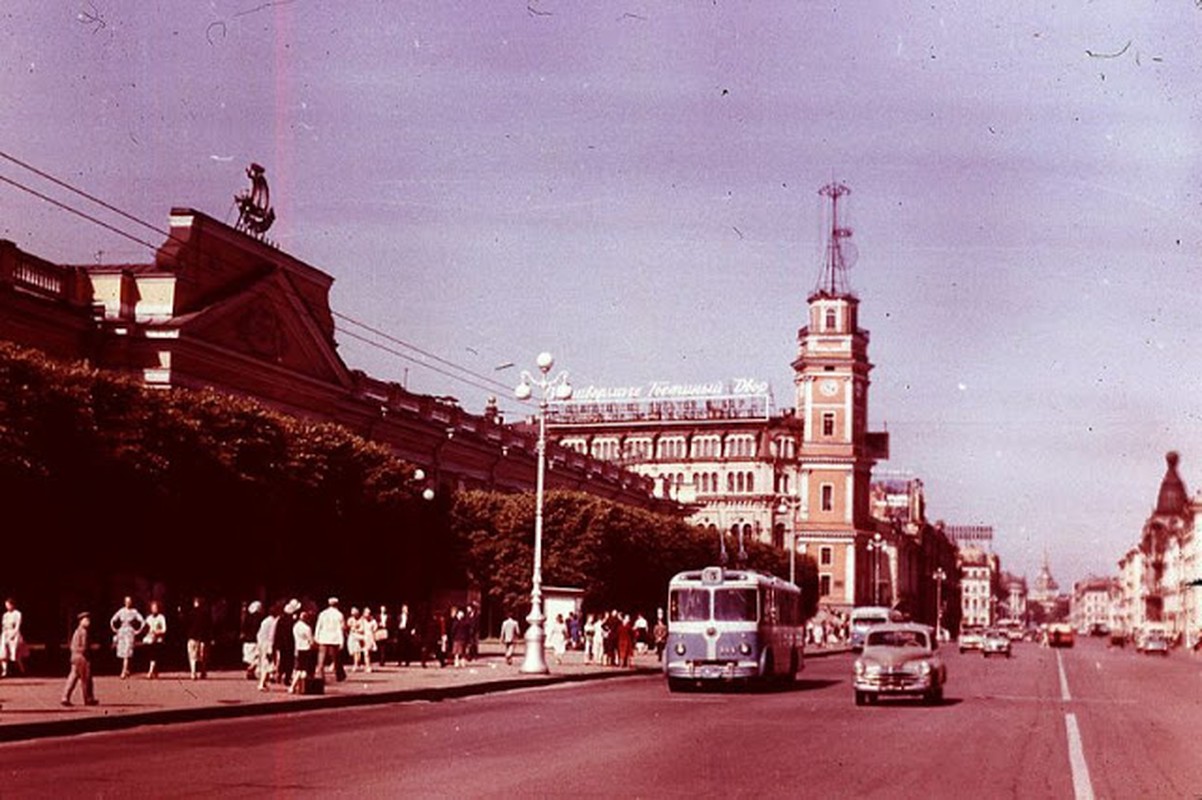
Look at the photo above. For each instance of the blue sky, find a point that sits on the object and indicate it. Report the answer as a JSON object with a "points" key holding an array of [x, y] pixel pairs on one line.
{"points": [[633, 187]]}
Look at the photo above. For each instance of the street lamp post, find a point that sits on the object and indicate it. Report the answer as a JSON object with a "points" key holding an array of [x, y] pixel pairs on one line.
{"points": [[940, 576], [789, 505], [535, 661], [874, 547]]}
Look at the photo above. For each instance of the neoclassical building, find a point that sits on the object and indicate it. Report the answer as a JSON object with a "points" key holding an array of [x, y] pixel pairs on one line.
{"points": [[219, 307]]}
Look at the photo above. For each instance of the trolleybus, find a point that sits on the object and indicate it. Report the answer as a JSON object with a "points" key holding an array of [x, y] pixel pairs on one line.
{"points": [[729, 625]]}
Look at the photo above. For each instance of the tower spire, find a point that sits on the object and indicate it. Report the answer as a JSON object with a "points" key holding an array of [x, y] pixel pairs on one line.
{"points": [[833, 281]]}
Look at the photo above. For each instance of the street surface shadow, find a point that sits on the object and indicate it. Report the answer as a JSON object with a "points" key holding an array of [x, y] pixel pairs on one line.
{"points": [[800, 685], [946, 702]]}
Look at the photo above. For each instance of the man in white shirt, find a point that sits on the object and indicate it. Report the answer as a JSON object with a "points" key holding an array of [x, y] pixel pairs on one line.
{"points": [[330, 636]]}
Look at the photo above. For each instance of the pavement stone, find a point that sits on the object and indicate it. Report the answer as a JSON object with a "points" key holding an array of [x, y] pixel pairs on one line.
{"points": [[30, 708]]}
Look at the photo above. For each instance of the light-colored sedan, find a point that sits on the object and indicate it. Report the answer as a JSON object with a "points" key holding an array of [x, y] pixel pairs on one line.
{"points": [[971, 639], [899, 659], [995, 643]]}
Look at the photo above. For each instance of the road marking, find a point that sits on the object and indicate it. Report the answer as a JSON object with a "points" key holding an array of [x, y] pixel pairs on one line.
{"points": [[1082, 787], [1064, 695]]}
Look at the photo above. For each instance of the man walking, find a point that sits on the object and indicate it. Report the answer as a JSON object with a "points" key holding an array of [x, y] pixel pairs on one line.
{"points": [[81, 668], [330, 635], [509, 636]]}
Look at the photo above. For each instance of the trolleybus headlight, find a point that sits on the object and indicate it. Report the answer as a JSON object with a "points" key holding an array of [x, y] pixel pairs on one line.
{"points": [[745, 648], [679, 648]]}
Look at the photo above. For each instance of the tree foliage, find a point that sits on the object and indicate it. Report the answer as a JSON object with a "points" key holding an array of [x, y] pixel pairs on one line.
{"points": [[106, 480], [622, 557]]}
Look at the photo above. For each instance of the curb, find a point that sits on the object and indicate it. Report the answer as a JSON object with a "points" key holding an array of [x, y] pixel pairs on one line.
{"points": [[23, 731]]}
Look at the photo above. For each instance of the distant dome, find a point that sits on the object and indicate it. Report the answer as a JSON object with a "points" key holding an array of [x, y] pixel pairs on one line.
{"points": [[1173, 499]]}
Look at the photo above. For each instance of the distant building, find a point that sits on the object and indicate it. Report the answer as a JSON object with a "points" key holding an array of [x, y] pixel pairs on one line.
{"points": [[1157, 576], [1095, 605], [978, 583], [1045, 591], [1014, 593]]}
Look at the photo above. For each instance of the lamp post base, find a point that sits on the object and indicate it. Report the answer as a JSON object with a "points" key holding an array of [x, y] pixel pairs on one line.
{"points": [[535, 661]]}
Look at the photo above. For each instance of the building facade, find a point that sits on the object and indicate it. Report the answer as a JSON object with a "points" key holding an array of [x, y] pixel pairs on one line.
{"points": [[220, 308], [796, 478], [1159, 576], [978, 584], [1095, 605]]}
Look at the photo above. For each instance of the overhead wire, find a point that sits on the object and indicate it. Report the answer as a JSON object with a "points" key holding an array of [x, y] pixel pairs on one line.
{"points": [[480, 381]]}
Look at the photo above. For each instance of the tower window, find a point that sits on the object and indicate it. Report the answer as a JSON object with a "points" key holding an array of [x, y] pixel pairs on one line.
{"points": [[824, 585], [828, 424], [825, 556], [831, 320], [828, 497]]}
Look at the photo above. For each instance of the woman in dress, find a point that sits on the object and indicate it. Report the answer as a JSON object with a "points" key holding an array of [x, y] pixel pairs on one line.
{"points": [[557, 637], [354, 639], [127, 623], [12, 645], [156, 632], [367, 630]]}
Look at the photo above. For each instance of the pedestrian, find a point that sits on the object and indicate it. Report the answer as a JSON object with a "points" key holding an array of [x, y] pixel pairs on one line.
{"points": [[354, 639], [330, 636], [590, 630], [385, 638], [611, 625], [509, 636], [368, 630], [12, 645], [625, 641], [435, 640], [599, 641], [152, 642], [200, 635], [248, 635], [461, 637], [127, 623], [284, 645], [557, 637], [642, 635], [81, 667], [408, 644], [265, 644], [473, 623], [659, 634], [306, 654]]}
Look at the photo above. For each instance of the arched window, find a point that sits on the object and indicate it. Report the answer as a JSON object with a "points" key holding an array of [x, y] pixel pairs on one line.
{"points": [[750, 482], [730, 482], [679, 481], [705, 482], [831, 319], [695, 486]]}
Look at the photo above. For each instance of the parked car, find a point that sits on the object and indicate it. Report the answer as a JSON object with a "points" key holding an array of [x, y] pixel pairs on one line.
{"points": [[971, 639], [995, 643], [899, 659]]}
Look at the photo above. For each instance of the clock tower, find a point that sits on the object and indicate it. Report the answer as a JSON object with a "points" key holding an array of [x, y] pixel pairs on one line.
{"points": [[837, 455]]}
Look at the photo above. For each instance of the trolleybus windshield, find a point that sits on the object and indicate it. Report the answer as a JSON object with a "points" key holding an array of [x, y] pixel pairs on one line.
{"points": [[729, 605]]}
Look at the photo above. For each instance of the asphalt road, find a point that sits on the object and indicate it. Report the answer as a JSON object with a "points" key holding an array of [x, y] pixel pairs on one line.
{"points": [[1006, 729]]}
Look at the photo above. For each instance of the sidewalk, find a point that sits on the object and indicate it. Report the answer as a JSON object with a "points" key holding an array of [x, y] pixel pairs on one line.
{"points": [[29, 707]]}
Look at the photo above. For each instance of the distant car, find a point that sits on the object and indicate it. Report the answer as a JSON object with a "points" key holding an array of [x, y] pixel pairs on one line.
{"points": [[995, 643], [1154, 642], [899, 659], [865, 617], [1061, 635], [971, 639]]}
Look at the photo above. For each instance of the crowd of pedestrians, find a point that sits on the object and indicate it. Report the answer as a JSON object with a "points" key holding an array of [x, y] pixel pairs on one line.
{"points": [[294, 646]]}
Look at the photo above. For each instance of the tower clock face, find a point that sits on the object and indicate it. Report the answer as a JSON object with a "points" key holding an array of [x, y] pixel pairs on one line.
{"points": [[829, 387]]}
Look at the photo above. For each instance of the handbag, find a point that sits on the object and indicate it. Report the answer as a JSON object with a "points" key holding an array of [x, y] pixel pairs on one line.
{"points": [[381, 634]]}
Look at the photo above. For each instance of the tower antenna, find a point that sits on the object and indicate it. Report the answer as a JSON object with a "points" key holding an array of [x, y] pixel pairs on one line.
{"points": [[840, 255]]}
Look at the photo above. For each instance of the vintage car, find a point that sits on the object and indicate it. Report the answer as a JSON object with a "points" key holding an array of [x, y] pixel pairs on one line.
{"points": [[1153, 639], [1060, 634], [971, 639], [995, 643], [899, 659]]}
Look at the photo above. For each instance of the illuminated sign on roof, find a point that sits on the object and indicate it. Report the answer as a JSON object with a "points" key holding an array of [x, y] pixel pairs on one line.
{"points": [[741, 399]]}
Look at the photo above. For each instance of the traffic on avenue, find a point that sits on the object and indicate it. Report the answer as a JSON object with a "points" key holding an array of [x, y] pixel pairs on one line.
{"points": [[1090, 720]]}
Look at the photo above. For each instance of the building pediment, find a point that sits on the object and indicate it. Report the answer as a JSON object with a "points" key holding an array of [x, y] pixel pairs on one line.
{"points": [[267, 321]]}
